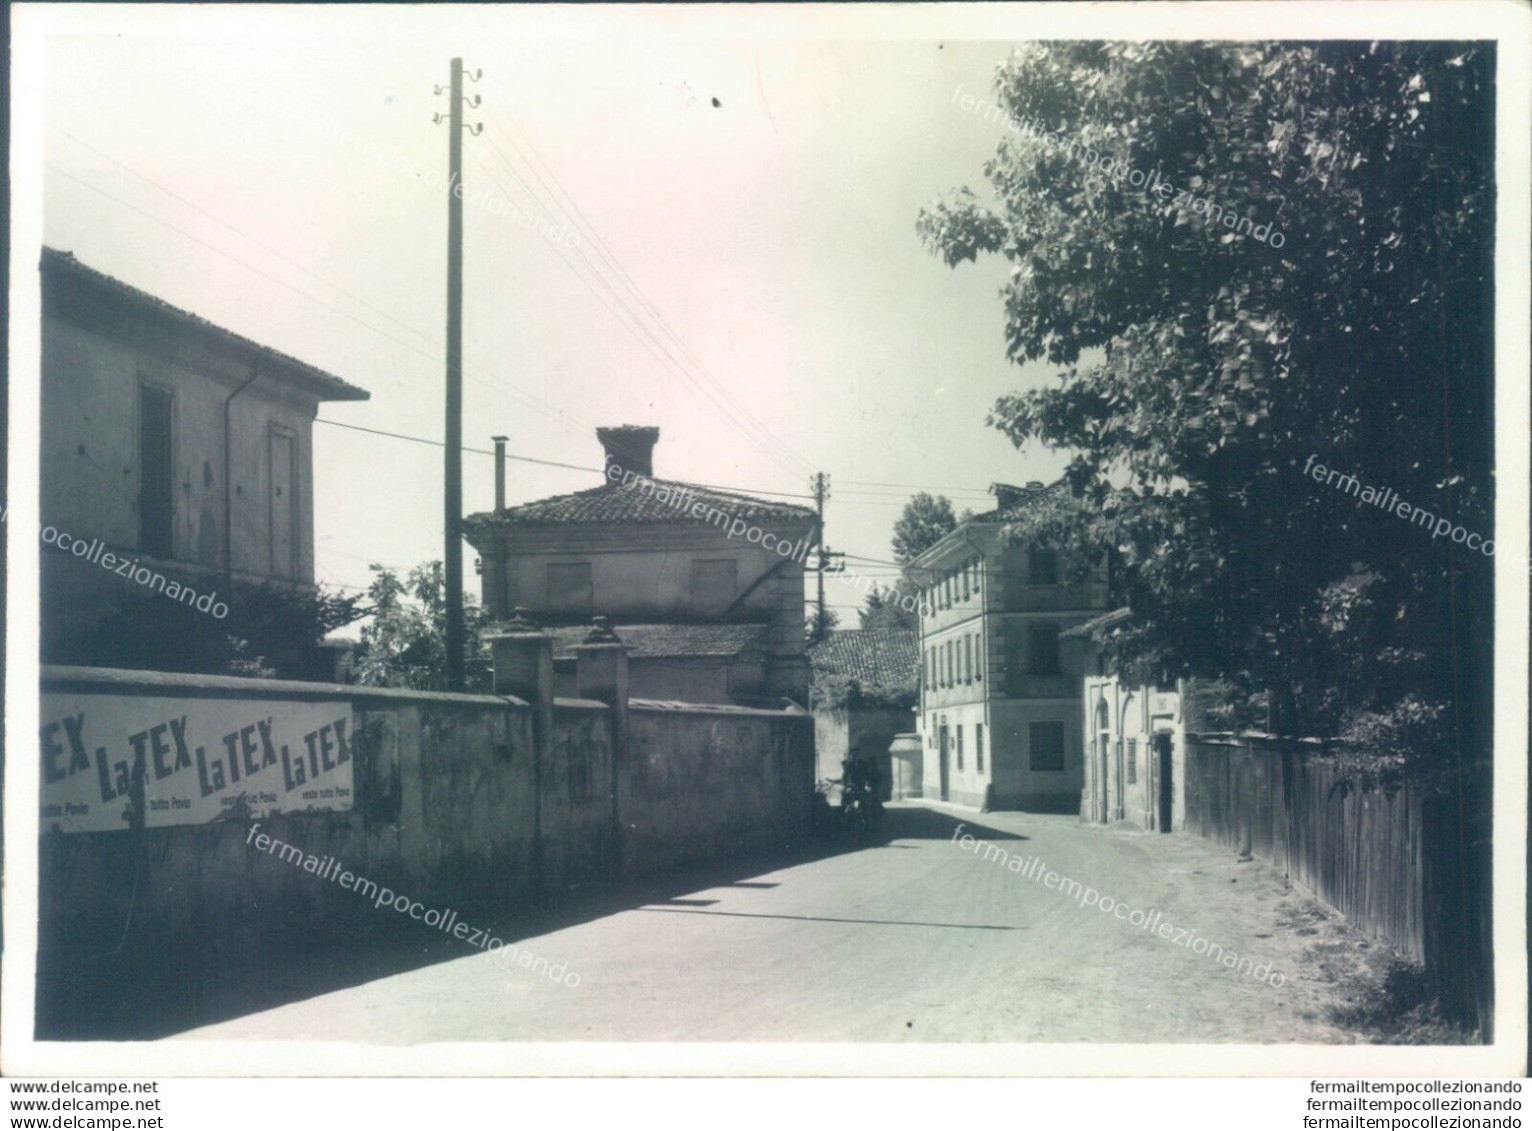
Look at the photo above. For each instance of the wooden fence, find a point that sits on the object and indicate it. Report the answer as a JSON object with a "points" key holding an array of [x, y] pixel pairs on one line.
{"points": [[1408, 870]]}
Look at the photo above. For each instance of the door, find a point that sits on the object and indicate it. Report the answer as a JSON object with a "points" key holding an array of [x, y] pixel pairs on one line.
{"points": [[284, 510], [942, 761], [1167, 791]]}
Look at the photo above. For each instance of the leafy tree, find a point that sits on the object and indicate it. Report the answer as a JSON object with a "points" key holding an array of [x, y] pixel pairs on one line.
{"points": [[925, 520], [1201, 367], [885, 610], [817, 627], [405, 645], [270, 630], [845, 691]]}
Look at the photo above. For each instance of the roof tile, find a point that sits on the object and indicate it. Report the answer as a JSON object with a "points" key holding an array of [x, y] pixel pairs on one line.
{"points": [[644, 502], [874, 657], [668, 641]]}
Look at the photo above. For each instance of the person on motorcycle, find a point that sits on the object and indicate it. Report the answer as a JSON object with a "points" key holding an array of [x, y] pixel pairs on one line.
{"points": [[851, 779]]}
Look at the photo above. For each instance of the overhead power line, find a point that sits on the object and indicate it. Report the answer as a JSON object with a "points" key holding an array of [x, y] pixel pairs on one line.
{"points": [[636, 322], [526, 399], [605, 251], [555, 463]]}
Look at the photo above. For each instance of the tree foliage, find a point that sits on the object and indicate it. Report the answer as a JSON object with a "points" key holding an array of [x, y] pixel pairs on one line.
{"points": [[887, 608], [405, 645], [1200, 368], [820, 623], [270, 631], [925, 520]]}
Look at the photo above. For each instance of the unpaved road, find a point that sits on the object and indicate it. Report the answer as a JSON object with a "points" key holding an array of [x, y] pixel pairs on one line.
{"points": [[913, 939]]}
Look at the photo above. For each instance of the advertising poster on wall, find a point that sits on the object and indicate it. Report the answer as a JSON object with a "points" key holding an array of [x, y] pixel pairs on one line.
{"points": [[200, 759]]}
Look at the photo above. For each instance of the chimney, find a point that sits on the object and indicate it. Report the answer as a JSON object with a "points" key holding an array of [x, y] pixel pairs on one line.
{"points": [[630, 448], [499, 472], [1035, 485]]}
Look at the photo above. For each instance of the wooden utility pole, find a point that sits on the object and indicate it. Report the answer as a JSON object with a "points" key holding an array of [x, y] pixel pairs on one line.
{"points": [[453, 558], [821, 489], [824, 561]]}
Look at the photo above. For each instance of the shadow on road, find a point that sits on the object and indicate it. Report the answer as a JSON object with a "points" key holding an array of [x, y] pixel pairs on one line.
{"points": [[204, 981]]}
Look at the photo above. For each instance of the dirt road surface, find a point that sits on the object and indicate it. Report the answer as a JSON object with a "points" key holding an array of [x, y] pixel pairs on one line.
{"points": [[909, 938]]}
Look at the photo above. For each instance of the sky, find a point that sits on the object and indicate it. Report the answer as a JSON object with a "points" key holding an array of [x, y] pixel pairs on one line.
{"points": [[745, 275]]}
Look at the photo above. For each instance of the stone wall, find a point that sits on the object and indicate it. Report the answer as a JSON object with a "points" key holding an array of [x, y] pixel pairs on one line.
{"points": [[462, 802]]}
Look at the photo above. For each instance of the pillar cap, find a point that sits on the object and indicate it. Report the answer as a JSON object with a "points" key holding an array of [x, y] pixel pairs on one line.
{"points": [[520, 624], [601, 632]]}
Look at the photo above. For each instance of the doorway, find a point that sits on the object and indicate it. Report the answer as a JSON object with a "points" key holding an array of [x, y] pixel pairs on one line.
{"points": [[941, 738], [1167, 789], [1103, 779]]}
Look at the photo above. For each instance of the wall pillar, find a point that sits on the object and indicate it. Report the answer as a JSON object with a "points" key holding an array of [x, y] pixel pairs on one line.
{"points": [[601, 673], [524, 669]]}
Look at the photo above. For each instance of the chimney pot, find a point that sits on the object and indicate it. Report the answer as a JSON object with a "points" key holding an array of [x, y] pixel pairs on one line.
{"points": [[629, 447], [499, 472]]}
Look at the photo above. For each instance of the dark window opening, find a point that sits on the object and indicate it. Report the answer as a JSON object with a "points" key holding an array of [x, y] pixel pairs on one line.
{"points": [[1042, 566], [1043, 650], [1045, 742]]}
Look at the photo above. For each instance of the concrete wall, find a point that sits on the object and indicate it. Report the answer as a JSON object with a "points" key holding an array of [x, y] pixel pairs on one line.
{"points": [[832, 739], [707, 782], [442, 810], [870, 729], [457, 803]]}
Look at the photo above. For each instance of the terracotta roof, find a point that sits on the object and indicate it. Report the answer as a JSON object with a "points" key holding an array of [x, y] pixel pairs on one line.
{"points": [[668, 641], [324, 386], [874, 657], [646, 501], [1014, 502]]}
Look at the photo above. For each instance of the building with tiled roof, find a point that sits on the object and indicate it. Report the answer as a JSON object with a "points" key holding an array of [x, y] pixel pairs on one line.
{"points": [[708, 582], [173, 442], [876, 660], [865, 685], [1000, 703]]}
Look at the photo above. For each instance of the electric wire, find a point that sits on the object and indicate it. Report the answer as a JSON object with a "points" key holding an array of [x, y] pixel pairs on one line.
{"points": [[605, 251]]}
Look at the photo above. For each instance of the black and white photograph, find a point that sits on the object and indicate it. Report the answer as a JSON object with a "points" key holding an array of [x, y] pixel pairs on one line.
{"points": [[775, 540]]}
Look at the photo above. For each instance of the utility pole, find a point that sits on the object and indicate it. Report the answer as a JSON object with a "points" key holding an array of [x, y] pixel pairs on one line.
{"points": [[824, 561], [453, 558]]}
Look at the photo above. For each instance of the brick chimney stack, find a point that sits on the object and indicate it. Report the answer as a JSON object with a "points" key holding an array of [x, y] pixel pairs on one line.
{"points": [[630, 447]]}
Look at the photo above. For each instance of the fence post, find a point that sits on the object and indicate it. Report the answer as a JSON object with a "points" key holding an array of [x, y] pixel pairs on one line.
{"points": [[601, 667]]}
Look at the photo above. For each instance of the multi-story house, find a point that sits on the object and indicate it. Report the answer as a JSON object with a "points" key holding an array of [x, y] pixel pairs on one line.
{"points": [[1000, 699], [1134, 735], [169, 442], [705, 586]]}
